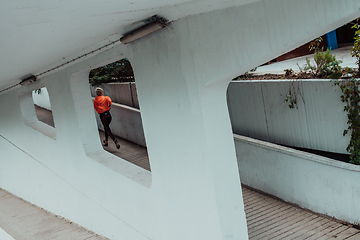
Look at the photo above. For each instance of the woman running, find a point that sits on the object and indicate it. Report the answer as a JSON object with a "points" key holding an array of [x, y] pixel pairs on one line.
{"points": [[102, 105]]}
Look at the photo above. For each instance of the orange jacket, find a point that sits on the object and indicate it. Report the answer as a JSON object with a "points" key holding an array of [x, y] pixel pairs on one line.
{"points": [[102, 104]]}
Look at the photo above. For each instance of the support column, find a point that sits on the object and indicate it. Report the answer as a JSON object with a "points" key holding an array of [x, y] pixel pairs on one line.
{"points": [[195, 180]]}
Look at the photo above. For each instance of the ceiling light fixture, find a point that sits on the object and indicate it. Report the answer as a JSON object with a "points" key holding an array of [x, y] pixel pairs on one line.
{"points": [[27, 80], [147, 29]]}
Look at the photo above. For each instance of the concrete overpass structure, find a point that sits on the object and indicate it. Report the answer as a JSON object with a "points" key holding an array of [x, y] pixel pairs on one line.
{"points": [[182, 72]]}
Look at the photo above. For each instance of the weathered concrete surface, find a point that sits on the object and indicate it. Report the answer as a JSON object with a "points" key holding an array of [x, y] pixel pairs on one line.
{"points": [[257, 109]]}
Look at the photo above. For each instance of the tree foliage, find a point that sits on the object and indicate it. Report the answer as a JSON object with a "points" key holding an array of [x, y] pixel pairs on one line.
{"points": [[119, 71], [355, 50], [351, 97]]}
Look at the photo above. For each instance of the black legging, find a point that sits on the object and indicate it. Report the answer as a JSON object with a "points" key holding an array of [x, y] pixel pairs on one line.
{"points": [[106, 120]]}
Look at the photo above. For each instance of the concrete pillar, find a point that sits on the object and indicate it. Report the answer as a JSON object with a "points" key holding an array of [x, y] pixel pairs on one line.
{"points": [[190, 145]]}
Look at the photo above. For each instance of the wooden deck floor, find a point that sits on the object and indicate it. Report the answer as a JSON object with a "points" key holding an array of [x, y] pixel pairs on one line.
{"points": [[267, 218]]}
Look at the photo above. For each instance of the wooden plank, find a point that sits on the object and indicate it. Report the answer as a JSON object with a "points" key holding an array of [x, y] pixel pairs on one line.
{"points": [[271, 207], [354, 237], [262, 206], [309, 230], [350, 232], [255, 205], [298, 227], [336, 229], [269, 216], [286, 226], [283, 219]]}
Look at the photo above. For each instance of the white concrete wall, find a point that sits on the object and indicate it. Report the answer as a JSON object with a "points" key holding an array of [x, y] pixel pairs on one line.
{"points": [[258, 110], [193, 191], [126, 123], [313, 182]]}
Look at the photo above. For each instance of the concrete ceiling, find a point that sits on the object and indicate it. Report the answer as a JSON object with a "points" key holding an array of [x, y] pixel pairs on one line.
{"points": [[37, 35]]}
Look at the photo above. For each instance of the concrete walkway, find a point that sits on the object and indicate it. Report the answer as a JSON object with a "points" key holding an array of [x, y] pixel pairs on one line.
{"points": [[267, 217]]}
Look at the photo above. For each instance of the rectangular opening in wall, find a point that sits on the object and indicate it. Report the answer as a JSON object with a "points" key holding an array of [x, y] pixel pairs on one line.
{"points": [[43, 106], [37, 116], [124, 121]]}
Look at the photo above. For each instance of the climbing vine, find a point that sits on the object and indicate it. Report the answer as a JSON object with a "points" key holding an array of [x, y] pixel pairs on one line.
{"points": [[351, 97], [294, 94], [355, 50], [327, 66]]}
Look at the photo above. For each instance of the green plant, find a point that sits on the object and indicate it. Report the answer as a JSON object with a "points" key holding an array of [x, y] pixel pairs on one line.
{"points": [[355, 50], [327, 65], [254, 69], [119, 71], [294, 92], [315, 45], [288, 71], [351, 97], [38, 91], [246, 75]]}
